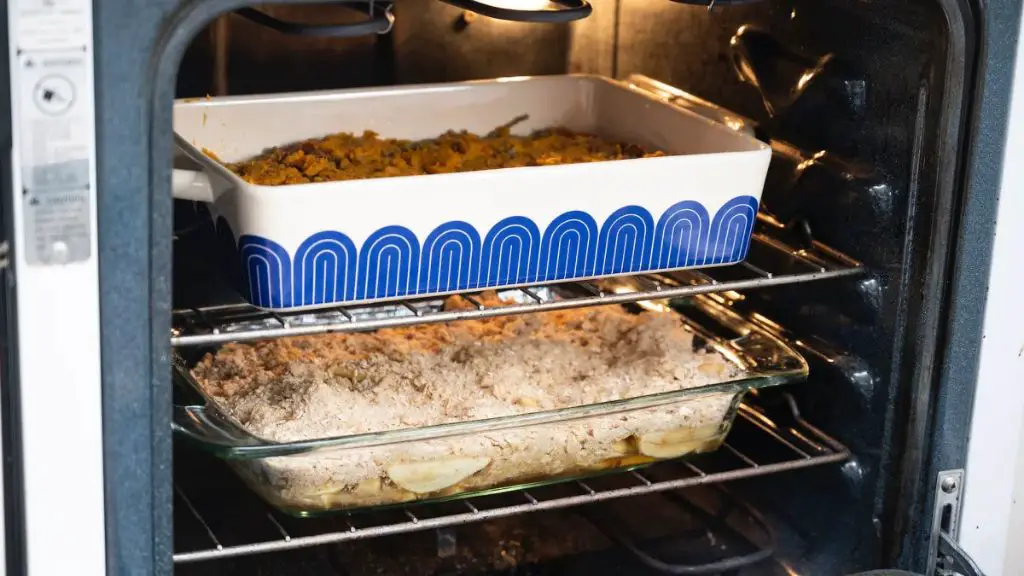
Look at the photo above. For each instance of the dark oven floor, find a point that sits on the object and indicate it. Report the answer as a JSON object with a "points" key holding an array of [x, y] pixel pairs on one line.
{"points": [[635, 536]]}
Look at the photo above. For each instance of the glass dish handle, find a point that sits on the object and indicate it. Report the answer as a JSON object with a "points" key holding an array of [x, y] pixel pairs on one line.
{"points": [[570, 10], [210, 427], [760, 350], [201, 423]]}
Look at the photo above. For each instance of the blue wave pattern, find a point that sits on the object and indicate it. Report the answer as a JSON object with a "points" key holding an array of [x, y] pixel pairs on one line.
{"points": [[388, 264], [626, 241], [511, 251], [451, 259], [569, 247], [324, 270], [328, 268], [268, 269]]}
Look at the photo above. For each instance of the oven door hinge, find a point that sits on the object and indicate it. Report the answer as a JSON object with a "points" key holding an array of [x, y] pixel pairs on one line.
{"points": [[945, 556]]}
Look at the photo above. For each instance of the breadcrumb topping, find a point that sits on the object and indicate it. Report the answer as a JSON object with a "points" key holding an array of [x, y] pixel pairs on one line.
{"points": [[341, 384]]}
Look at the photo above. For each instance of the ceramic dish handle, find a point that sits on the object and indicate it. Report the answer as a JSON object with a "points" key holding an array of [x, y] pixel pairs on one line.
{"points": [[191, 185], [688, 101], [569, 10]]}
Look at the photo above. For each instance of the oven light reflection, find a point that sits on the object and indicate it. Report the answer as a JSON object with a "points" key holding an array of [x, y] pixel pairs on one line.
{"points": [[758, 418], [767, 322], [652, 305], [735, 124], [518, 4], [810, 161], [734, 296], [789, 569], [805, 78]]}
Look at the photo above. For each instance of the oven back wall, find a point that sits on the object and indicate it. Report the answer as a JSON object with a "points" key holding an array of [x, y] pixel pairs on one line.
{"points": [[430, 42]]}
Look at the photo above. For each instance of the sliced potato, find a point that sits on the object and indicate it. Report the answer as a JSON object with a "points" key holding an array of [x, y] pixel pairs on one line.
{"points": [[634, 461], [329, 488], [368, 487], [434, 475], [527, 402], [714, 368], [667, 449], [675, 443], [624, 446]]}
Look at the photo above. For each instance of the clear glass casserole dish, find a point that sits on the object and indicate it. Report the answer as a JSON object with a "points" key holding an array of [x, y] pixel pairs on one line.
{"points": [[459, 459]]}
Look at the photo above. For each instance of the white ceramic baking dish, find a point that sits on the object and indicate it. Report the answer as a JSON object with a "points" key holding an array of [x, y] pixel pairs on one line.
{"points": [[311, 245]]}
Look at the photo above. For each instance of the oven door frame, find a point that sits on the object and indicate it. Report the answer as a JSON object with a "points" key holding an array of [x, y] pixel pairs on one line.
{"points": [[992, 513], [137, 52]]}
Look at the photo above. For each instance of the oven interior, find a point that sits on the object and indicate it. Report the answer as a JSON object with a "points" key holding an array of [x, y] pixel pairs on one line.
{"points": [[862, 103]]}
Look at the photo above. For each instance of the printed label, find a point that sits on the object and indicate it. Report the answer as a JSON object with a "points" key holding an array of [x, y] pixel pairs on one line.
{"points": [[56, 143], [52, 24]]}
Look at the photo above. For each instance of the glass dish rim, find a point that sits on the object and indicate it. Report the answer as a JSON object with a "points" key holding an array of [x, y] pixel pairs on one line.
{"points": [[236, 443]]}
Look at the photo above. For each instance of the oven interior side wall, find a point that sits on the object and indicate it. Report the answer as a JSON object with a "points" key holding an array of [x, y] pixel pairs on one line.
{"points": [[862, 134]]}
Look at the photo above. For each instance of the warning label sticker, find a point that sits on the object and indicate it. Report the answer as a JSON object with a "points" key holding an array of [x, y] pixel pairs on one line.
{"points": [[56, 144]]}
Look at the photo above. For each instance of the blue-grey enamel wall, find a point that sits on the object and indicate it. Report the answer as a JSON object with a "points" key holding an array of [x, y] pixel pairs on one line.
{"points": [[984, 143]]}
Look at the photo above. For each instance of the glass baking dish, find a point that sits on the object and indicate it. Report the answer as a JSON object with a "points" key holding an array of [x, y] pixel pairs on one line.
{"points": [[461, 459]]}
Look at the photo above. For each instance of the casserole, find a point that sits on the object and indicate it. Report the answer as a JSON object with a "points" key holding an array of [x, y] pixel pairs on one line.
{"points": [[313, 476], [328, 243]]}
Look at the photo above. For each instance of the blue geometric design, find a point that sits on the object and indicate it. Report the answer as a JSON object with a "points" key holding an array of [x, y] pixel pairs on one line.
{"points": [[511, 253], [730, 231], [324, 269], [681, 236], [450, 259], [268, 270], [329, 269], [388, 264], [625, 242], [569, 248]]}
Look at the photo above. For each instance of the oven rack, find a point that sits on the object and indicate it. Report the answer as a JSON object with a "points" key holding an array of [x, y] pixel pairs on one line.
{"points": [[771, 261], [227, 521]]}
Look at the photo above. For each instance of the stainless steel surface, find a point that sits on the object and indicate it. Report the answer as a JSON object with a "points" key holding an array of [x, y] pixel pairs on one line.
{"points": [[954, 561], [782, 444], [945, 514], [771, 262]]}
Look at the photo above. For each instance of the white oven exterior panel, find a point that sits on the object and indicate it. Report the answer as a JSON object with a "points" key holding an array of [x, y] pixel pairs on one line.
{"points": [[56, 278]]}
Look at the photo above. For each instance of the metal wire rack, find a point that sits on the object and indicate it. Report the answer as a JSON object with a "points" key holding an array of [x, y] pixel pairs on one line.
{"points": [[216, 517], [771, 261]]}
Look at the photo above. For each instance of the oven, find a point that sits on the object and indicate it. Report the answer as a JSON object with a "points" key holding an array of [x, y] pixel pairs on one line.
{"points": [[883, 260]]}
